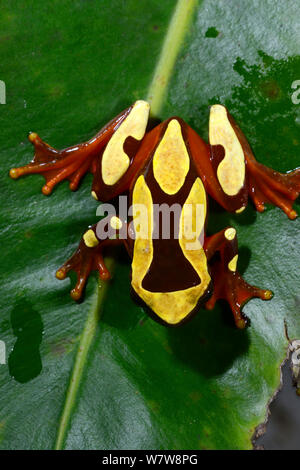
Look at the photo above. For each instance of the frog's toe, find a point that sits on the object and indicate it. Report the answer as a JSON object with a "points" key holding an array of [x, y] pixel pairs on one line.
{"points": [[230, 286], [269, 186], [83, 261], [57, 165]]}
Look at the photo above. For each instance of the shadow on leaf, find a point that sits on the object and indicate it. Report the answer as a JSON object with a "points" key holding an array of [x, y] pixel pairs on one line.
{"points": [[209, 343]]}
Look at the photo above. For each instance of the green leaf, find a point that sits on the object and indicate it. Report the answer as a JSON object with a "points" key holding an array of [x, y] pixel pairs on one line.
{"points": [[101, 374]]}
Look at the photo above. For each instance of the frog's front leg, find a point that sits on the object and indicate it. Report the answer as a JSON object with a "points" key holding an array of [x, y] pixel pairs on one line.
{"points": [[89, 254], [239, 173], [269, 186], [228, 284], [104, 151]]}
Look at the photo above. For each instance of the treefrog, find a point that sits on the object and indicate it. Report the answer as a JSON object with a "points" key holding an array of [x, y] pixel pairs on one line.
{"points": [[170, 164]]}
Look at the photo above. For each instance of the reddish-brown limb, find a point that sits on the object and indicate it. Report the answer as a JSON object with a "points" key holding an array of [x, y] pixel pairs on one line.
{"points": [[71, 163], [83, 261], [228, 284], [267, 185]]}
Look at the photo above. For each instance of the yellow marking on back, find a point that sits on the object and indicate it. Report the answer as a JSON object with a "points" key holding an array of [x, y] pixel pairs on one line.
{"points": [[231, 170], [143, 247], [171, 160], [230, 233], [241, 209], [115, 162], [172, 307], [94, 195], [232, 264], [90, 239], [116, 223]]}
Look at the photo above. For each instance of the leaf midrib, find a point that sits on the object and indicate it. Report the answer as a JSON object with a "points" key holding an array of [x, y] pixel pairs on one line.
{"points": [[178, 27]]}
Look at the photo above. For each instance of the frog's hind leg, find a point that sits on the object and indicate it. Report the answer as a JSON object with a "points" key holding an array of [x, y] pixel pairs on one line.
{"points": [[228, 283], [88, 257], [71, 163]]}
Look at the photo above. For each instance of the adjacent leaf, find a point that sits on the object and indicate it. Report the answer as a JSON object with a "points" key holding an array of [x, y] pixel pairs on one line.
{"points": [[124, 381]]}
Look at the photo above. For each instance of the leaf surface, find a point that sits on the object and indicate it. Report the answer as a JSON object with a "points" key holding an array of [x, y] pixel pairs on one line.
{"points": [[101, 374]]}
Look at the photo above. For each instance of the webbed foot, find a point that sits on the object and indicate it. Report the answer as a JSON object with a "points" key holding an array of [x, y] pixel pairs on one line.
{"points": [[87, 257], [228, 284]]}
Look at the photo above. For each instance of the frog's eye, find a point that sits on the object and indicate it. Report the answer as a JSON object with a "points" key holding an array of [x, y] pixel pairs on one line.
{"points": [[231, 168], [115, 161]]}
